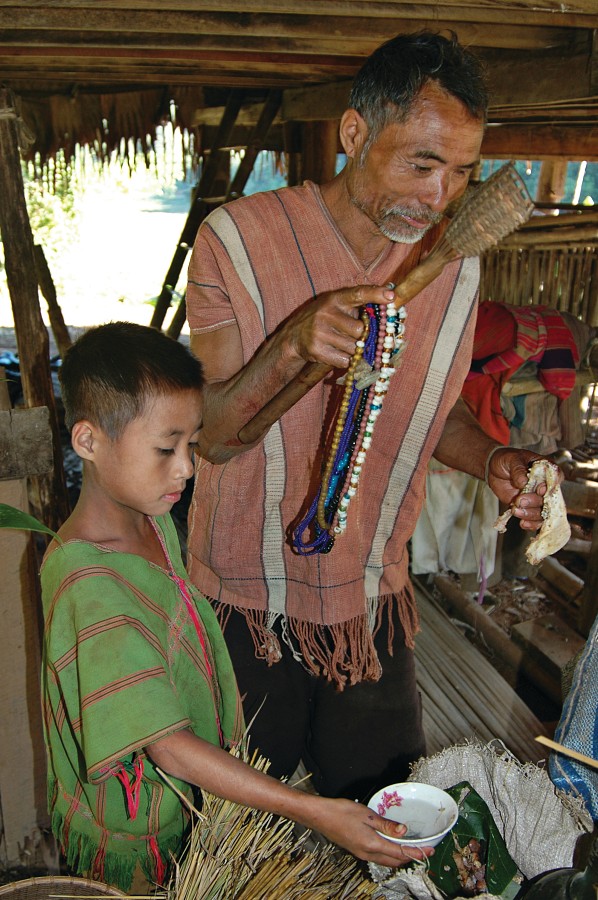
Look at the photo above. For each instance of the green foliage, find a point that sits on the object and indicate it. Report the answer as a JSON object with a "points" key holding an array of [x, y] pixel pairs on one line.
{"points": [[50, 198], [10, 517], [475, 822]]}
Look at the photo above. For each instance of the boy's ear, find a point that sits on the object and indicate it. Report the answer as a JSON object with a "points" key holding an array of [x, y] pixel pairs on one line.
{"points": [[353, 132], [83, 439]]}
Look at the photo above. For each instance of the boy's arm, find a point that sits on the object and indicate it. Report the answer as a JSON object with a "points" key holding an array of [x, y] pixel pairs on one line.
{"points": [[350, 825]]}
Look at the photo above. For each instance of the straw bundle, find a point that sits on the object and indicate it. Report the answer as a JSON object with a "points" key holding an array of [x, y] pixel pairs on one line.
{"points": [[237, 853]]}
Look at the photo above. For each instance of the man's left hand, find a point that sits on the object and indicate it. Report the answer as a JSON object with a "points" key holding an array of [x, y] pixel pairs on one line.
{"points": [[507, 476]]}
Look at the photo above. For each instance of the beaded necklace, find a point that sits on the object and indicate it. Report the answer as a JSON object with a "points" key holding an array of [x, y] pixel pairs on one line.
{"points": [[376, 359]]}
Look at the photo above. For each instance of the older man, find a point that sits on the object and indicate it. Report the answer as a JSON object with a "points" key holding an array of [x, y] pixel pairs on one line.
{"points": [[323, 644]]}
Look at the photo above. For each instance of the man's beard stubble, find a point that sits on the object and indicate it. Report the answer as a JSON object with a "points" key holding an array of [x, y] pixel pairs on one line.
{"points": [[399, 231]]}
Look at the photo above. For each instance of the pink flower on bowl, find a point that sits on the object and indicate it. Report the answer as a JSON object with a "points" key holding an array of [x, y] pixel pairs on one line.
{"points": [[389, 798]]}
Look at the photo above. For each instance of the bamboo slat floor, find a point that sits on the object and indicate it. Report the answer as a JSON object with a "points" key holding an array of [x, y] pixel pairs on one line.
{"points": [[463, 695]]}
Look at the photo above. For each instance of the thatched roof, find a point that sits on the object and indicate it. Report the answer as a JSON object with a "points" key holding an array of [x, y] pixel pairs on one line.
{"points": [[107, 70]]}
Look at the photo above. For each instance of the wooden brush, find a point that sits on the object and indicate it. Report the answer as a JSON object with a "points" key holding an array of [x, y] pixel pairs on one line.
{"points": [[493, 210]]}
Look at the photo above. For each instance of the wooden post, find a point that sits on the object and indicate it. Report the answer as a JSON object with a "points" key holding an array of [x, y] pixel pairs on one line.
{"points": [[22, 752], [255, 145], [199, 209], [320, 146], [292, 136], [46, 286], [31, 333], [551, 184]]}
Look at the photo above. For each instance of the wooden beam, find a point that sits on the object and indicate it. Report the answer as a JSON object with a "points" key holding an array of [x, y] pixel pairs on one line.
{"points": [[514, 79], [328, 101], [317, 35], [360, 29], [107, 81], [541, 142], [576, 14], [594, 63]]}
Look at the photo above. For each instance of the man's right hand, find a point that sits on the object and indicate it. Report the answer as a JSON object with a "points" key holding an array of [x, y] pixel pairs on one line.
{"points": [[326, 328], [322, 330]]}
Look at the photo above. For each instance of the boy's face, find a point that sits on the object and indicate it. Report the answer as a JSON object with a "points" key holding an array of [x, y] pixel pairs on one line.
{"points": [[147, 467]]}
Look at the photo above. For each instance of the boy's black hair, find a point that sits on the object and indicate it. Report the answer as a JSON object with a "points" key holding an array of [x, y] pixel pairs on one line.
{"points": [[110, 372], [391, 78]]}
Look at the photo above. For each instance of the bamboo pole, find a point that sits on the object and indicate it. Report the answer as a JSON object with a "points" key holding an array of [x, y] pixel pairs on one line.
{"points": [[46, 286]]}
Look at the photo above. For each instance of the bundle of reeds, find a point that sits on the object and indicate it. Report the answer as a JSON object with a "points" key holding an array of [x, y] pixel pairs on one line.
{"points": [[238, 853]]}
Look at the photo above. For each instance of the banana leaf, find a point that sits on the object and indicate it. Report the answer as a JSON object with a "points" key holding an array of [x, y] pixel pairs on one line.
{"points": [[10, 517], [475, 821]]}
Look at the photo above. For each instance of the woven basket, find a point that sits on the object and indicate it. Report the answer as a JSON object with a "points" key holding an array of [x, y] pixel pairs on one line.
{"points": [[49, 886]]}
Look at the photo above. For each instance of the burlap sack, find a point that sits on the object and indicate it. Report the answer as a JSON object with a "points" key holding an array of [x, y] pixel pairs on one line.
{"points": [[539, 824]]}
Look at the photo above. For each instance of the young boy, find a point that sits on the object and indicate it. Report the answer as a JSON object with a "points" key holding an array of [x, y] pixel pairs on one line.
{"points": [[136, 672]]}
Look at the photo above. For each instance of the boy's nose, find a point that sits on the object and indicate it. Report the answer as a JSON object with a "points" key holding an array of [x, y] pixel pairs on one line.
{"points": [[185, 466]]}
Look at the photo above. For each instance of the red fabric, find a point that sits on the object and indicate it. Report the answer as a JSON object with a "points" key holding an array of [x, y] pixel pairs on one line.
{"points": [[505, 338]]}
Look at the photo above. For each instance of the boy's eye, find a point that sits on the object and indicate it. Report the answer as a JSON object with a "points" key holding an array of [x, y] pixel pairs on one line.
{"points": [[165, 451]]}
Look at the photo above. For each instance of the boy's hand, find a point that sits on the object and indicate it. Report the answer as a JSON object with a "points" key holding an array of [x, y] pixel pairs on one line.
{"points": [[354, 827]]}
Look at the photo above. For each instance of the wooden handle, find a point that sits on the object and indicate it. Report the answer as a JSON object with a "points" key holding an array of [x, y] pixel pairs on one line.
{"points": [[312, 373], [581, 757]]}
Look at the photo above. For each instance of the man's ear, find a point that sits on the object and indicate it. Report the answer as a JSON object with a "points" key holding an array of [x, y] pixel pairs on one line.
{"points": [[83, 439], [353, 132]]}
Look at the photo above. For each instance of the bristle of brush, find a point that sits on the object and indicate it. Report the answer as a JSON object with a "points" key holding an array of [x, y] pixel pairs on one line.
{"points": [[494, 209]]}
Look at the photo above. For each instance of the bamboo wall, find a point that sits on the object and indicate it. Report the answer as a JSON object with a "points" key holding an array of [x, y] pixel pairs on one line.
{"points": [[565, 278], [550, 261]]}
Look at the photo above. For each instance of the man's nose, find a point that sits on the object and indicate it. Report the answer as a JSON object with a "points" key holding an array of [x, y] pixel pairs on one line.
{"points": [[438, 192]]}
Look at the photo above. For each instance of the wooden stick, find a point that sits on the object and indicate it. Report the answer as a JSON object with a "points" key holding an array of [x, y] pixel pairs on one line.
{"points": [[581, 757], [312, 373], [496, 208]]}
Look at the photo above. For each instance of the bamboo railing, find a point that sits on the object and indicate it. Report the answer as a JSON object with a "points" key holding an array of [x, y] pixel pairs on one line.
{"points": [[550, 261]]}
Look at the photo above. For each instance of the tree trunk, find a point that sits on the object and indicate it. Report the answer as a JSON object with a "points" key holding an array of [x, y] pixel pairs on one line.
{"points": [[31, 332]]}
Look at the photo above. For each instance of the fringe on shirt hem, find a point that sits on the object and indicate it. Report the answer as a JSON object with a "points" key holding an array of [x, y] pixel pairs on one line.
{"points": [[91, 859], [343, 653]]}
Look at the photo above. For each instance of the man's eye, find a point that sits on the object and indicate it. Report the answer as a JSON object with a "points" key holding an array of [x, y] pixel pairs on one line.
{"points": [[422, 170]]}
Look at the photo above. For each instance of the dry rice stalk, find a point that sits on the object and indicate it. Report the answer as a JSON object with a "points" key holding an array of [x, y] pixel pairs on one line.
{"points": [[238, 853]]}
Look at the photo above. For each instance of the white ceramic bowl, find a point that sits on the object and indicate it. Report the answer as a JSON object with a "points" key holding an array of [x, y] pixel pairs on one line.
{"points": [[428, 812]]}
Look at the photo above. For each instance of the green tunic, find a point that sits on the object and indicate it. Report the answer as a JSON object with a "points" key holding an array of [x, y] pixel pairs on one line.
{"points": [[124, 665]]}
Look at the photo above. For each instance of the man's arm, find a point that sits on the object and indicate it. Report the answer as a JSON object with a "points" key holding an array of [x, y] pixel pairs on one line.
{"points": [[323, 330], [465, 446]]}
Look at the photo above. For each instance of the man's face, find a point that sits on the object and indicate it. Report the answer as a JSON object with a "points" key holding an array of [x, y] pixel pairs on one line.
{"points": [[405, 179]]}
